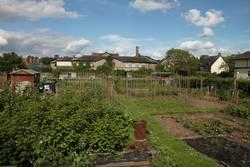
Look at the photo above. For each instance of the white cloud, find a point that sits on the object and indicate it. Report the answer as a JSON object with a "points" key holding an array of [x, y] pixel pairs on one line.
{"points": [[210, 19], [151, 5], [41, 43], [120, 44], [207, 32], [34, 9], [3, 41], [77, 46], [196, 45]]}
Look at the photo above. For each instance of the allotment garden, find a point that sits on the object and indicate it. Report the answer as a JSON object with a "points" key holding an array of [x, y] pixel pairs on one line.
{"points": [[190, 122]]}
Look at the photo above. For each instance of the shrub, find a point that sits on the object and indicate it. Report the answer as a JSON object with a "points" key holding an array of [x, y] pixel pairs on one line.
{"points": [[242, 110], [61, 131]]}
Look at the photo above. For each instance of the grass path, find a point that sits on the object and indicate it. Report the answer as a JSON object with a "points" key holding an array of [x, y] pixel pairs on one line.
{"points": [[173, 152]]}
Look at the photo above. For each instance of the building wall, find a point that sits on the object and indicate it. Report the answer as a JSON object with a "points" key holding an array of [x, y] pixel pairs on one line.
{"points": [[98, 63], [64, 63], [219, 66], [242, 73], [22, 80], [131, 66]]}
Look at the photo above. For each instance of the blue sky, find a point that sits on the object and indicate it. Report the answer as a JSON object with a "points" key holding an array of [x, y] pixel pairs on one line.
{"points": [[74, 27]]}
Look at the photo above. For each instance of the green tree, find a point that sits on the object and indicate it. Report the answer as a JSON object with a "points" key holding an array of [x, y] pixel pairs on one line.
{"points": [[107, 67], [180, 62], [46, 60], [81, 66], [10, 61]]}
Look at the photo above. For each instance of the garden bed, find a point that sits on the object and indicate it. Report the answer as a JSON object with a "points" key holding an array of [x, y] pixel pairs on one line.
{"points": [[218, 135], [226, 152]]}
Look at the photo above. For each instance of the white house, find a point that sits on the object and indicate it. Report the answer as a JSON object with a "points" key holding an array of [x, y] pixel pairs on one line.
{"points": [[214, 64], [242, 66]]}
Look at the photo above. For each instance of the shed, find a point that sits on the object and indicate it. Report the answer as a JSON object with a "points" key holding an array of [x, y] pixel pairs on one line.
{"points": [[24, 77]]}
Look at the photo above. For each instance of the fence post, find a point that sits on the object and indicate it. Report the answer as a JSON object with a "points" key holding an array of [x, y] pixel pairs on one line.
{"points": [[127, 86]]}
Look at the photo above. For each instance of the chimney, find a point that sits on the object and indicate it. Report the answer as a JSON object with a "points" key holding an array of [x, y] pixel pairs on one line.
{"points": [[137, 51]]}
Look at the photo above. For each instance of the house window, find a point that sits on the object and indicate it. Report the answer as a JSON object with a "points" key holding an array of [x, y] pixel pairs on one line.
{"points": [[248, 73]]}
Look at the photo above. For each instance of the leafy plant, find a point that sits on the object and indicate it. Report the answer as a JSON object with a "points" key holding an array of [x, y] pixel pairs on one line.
{"points": [[59, 131]]}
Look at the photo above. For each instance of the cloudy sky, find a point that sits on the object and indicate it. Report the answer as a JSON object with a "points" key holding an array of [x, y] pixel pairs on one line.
{"points": [[73, 27]]}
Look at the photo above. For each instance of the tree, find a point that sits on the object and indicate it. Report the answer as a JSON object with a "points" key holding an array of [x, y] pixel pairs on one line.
{"points": [[180, 62], [46, 60], [10, 61], [107, 67]]}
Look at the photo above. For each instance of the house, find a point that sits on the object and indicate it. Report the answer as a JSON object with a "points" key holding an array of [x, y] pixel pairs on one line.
{"points": [[126, 63], [242, 65], [24, 77], [213, 64]]}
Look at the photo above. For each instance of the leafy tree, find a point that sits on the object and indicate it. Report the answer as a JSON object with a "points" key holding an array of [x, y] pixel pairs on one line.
{"points": [[159, 68], [10, 61], [107, 67], [180, 61], [46, 60]]}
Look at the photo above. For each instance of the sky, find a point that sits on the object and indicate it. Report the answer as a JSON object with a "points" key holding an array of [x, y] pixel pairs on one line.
{"points": [[78, 27]]}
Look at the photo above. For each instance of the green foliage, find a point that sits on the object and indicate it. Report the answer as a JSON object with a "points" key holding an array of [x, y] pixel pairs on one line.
{"points": [[81, 66], [242, 110], [180, 61], [143, 71], [10, 61], [159, 68], [46, 60], [107, 67], [65, 131]]}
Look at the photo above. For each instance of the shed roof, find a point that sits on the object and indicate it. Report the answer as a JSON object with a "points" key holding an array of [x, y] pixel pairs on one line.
{"points": [[25, 71]]}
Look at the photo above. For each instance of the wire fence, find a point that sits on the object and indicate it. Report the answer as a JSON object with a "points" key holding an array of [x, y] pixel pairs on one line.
{"points": [[223, 89]]}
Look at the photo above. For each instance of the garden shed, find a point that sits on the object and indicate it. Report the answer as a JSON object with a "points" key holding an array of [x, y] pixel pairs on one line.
{"points": [[24, 77]]}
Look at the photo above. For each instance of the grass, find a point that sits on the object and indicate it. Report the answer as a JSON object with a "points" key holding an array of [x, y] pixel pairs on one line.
{"points": [[173, 152]]}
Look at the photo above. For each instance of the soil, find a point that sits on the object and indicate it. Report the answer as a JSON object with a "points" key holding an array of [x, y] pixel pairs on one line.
{"points": [[218, 135], [226, 152], [175, 128], [201, 102]]}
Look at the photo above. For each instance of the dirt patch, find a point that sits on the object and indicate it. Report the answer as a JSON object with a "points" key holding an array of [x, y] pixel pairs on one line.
{"points": [[188, 125], [201, 102], [218, 135], [175, 128]]}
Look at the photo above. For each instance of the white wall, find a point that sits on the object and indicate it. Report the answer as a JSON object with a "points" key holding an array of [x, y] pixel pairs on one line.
{"points": [[63, 63], [219, 66], [242, 73]]}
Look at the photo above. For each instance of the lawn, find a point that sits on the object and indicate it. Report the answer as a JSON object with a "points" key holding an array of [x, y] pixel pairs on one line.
{"points": [[173, 152]]}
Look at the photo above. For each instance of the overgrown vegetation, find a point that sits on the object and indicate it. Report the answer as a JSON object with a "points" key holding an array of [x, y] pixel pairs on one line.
{"points": [[65, 131], [242, 110]]}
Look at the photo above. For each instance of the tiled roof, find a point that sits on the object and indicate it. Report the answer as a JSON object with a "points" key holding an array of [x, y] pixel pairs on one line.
{"points": [[100, 56], [208, 62], [242, 56]]}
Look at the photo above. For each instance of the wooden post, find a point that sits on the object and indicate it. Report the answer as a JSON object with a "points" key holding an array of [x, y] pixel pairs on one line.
{"points": [[127, 87]]}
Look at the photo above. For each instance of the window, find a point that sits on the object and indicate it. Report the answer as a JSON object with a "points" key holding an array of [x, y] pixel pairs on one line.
{"points": [[248, 73]]}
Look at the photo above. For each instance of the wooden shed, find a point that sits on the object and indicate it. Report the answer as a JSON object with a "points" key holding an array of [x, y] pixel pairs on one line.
{"points": [[24, 77]]}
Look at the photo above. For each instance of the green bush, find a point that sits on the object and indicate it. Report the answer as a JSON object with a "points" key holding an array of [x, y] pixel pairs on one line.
{"points": [[242, 110], [60, 131]]}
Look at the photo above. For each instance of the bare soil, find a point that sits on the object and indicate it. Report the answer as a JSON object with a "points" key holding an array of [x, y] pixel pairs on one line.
{"points": [[192, 125], [201, 102], [176, 128]]}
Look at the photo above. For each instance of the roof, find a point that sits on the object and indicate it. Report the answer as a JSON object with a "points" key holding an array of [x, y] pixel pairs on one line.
{"points": [[100, 56], [25, 71], [242, 56], [206, 63]]}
